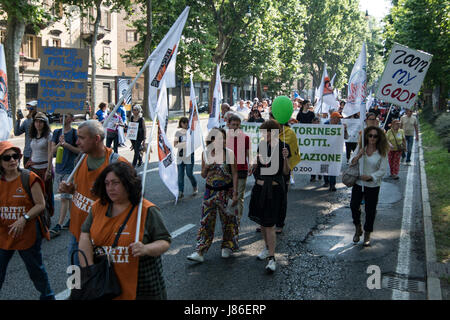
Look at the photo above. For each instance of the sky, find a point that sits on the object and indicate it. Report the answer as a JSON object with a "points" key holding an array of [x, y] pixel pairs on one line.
{"points": [[376, 8]]}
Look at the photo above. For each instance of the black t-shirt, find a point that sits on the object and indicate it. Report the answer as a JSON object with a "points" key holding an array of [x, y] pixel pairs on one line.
{"points": [[305, 117], [260, 165]]}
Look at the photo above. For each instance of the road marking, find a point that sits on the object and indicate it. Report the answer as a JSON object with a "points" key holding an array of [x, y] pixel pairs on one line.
{"points": [[404, 248], [182, 230], [64, 295]]}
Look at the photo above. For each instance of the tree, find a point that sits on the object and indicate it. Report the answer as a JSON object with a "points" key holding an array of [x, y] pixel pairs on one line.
{"points": [[334, 33], [423, 25], [21, 14], [85, 6]]}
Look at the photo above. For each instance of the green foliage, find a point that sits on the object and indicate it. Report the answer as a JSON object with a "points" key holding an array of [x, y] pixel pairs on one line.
{"points": [[423, 25], [28, 12], [442, 127]]}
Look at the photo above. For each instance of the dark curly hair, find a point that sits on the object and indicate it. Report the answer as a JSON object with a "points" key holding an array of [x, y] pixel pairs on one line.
{"points": [[127, 176]]}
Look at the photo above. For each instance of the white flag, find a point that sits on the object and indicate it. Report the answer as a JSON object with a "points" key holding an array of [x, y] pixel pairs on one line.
{"points": [[6, 123], [163, 60], [167, 165], [214, 116], [356, 93], [327, 99], [194, 133], [369, 101]]}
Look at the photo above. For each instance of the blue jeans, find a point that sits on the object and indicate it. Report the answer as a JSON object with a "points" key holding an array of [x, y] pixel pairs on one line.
{"points": [[409, 145], [73, 245], [189, 172], [32, 258]]}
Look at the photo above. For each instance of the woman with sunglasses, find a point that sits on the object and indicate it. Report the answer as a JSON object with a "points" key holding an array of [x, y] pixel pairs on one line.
{"points": [[373, 161], [20, 227]]}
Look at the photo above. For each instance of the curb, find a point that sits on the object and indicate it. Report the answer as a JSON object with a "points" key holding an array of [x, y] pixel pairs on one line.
{"points": [[433, 282]]}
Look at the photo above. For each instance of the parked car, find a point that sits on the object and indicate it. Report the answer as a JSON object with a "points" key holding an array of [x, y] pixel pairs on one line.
{"points": [[203, 108]]}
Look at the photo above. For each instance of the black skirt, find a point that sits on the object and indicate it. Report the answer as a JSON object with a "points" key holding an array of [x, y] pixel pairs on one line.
{"points": [[264, 209]]}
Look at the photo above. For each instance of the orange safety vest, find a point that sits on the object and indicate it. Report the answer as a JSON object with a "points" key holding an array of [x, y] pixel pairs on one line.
{"points": [[83, 199], [103, 232], [14, 203]]}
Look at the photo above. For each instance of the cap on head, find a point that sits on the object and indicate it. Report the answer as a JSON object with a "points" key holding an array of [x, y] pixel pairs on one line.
{"points": [[41, 116], [335, 115], [6, 145]]}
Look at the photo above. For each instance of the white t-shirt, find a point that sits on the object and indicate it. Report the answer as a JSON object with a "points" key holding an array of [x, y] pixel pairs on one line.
{"points": [[39, 151], [374, 166]]}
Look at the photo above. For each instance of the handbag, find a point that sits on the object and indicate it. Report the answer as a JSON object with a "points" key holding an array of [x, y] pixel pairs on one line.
{"points": [[99, 281], [350, 175]]}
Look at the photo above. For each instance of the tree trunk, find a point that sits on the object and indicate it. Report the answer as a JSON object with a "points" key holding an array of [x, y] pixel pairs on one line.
{"points": [[148, 40], [14, 36], [93, 57], [258, 88]]}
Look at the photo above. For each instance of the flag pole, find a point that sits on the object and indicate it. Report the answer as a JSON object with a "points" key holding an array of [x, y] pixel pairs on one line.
{"points": [[111, 114], [144, 175]]}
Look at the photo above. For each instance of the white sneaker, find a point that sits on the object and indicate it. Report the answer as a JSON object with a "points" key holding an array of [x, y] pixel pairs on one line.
{"points": [[271, 266], [226, 253], [263, 254], [196, 257]]}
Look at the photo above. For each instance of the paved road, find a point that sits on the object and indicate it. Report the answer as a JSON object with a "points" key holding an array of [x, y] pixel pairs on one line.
{"points": [[315, 254]]}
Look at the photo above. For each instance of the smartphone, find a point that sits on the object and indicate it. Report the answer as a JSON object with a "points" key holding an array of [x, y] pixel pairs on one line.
{"points": [[19, 115]]}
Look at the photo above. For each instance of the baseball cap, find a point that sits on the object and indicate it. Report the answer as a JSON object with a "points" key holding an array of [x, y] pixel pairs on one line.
{"points": [[32, 104], [41, 116], [6, 145], [335, 115]]}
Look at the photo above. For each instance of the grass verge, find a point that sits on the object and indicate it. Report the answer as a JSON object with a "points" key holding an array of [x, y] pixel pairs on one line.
{"points": [[437, 160]]}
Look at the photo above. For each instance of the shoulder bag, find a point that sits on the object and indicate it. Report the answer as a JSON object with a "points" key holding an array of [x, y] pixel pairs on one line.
{"points": [[99, 281], [350, 175]]}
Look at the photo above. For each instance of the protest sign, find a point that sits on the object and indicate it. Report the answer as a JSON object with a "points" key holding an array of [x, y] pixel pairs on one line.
{"points": [[353, 128], [63, 78], [320, 146], [403, 76], [132, 130]]}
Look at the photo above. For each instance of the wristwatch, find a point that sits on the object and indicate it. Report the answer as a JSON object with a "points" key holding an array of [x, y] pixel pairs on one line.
{"points": [[27, 217]]}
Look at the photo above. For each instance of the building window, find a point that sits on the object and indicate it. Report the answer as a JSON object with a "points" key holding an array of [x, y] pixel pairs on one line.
{"points": [[2, 36], [31, 46], [106, 20], [31, 91], [105, 60], [56, 43], [132, 36]]}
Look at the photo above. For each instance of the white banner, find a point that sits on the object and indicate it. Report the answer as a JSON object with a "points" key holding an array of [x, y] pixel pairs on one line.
{"points": [[214, 116], [168, 170], [5, 111], [163, 61], [403, 76], [353, 128], [320, 146], [132, 130], [194, 133]]}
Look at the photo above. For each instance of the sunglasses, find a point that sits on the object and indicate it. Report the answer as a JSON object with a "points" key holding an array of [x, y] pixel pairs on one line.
{"points": [[8, 157], [372, 136]]}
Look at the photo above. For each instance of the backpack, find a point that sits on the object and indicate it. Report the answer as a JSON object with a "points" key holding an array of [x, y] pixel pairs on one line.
{"points": [[46, 215]]}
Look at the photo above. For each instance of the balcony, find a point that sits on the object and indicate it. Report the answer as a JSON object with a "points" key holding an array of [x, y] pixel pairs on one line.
{"points": [[87, 31]]}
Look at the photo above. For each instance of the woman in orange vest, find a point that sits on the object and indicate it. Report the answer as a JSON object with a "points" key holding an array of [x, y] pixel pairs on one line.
{"points": [[137, 265], [20, 227]]}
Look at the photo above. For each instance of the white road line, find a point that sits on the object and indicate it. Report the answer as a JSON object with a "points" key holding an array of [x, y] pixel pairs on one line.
{"points": [[404, 248], [64, 295], [182, 230]]}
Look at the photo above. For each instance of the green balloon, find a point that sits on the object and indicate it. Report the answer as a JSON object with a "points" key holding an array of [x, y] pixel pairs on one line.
{"points": [[282, 109]]}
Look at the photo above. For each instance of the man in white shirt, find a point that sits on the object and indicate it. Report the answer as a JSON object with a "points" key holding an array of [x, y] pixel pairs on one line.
{"points": [[408, 123]]}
